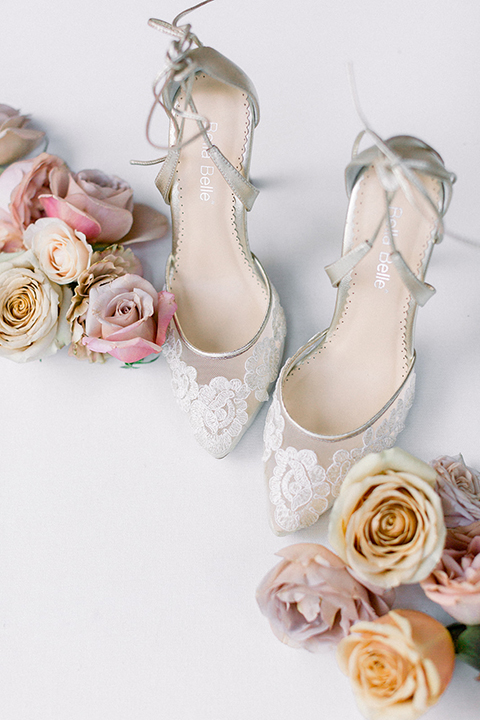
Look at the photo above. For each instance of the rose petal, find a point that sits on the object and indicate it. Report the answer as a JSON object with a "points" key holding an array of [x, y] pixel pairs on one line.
{"points": [[148, 224], [128, 351], [17, 142], [78, 220], [167, 308]]}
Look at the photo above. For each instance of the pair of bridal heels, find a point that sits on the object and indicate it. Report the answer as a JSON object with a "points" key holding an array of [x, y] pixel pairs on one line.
{"points": [[348, 390]]}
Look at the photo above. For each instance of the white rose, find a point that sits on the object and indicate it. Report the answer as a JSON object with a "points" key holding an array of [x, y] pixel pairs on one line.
{"points": [[387, 523], [62, 253], [32, 309]]}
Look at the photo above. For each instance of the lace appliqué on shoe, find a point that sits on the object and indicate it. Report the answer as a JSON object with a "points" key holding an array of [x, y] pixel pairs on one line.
{"points": [[301, 489], [219, 413], [261, 368], [273, 431], [298, 488], [184, 377]]}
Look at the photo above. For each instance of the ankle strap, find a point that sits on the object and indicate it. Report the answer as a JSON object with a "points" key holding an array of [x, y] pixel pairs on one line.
{"points": [[187, 56], [396, 162]]}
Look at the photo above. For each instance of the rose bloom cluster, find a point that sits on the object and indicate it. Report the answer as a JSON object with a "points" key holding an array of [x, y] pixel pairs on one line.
{"points": [[65, 273], [397, 520]]}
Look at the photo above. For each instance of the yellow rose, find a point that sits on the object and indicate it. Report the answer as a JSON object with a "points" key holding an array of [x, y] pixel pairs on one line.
{"points": [[398, 665], [387, 523]]}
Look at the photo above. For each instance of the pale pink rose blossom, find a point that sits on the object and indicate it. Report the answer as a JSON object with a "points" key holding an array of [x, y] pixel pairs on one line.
{"points": [[459, 488], [99, 205], [312, 597], [127, 318], [455, 582], [16, 140], [32, 178]]}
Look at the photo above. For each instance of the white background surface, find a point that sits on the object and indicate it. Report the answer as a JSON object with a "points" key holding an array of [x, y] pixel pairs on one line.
{"points": [[129, 558]]}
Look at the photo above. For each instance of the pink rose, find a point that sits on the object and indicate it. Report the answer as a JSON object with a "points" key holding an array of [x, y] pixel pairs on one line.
{"points": [[312, 597], [455, 581], [127, 318], [459, 488], [28, 180], [16, 140], [97, 204]]}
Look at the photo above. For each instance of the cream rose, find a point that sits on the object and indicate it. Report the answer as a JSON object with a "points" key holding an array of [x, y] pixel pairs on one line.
{"points": [[312, 597], [387, 523], [398, 665], [63, 253], [32, 309]]}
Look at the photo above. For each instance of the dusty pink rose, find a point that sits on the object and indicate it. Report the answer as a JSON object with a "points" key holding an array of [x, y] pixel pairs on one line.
{"points": [[459, 488], [312, 597], [16, 140], [455, 581], [97, 204], [127, 318], [31, 179]]}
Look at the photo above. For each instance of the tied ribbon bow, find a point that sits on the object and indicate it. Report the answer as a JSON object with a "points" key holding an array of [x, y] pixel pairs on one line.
{"points": [[396, 171], [179, 73], [179, 69]]}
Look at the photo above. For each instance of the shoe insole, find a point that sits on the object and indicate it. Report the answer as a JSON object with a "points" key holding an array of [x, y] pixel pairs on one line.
{"points": [[221, 298], [367, 352]]}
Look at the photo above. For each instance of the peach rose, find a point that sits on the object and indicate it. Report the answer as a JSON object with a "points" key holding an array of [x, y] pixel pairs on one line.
{"points": [[32, 309], [99, 205], [127, 318], [459, 488], [16, 140], [63, 253], [387, 523], [399, 665], [455, 582], [312, 597]]}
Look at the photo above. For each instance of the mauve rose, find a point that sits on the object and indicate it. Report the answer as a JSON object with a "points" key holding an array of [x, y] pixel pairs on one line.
{"points": [[387, 523], [459, 488], [127, 318], [398, 665], [99, 205], [16, 140], [312, 597], [455, 582], [106, 265]]}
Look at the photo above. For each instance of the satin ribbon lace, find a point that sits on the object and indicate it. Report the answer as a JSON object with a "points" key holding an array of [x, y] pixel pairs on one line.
{"points": [[395, 173]]}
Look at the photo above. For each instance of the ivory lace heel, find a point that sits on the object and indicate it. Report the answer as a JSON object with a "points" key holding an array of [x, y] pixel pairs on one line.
{"points": [[226, 340], [348, 390]]}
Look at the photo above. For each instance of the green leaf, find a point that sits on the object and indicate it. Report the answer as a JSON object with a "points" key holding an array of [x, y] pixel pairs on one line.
{"points": [[466, 639], [145, 361]]}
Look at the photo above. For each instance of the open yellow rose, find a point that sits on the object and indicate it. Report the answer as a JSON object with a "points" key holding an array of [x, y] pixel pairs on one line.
{"points": [[387, 523], [398, 665]]}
